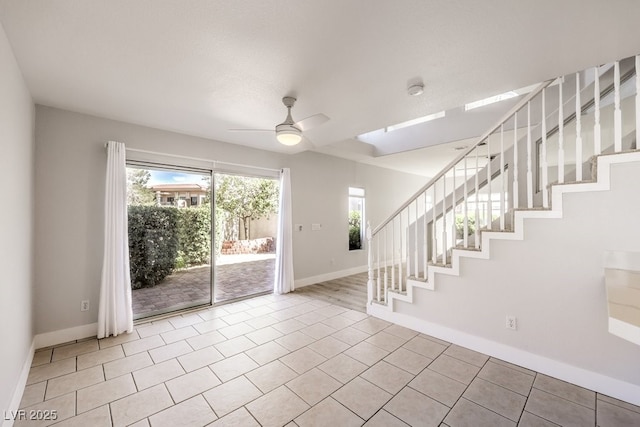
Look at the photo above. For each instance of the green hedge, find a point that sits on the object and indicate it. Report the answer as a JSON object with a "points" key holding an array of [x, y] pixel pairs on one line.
{"points": [[153, 244]]}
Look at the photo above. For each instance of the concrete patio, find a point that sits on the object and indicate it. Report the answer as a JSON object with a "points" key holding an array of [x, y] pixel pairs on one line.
{"points": [[236, 276]]}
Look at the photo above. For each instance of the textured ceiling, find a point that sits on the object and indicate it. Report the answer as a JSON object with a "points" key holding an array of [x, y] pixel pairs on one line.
{"points": [[201, 67]]}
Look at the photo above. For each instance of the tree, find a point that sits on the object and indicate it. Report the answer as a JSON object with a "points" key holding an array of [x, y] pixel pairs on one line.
{"points": [[137, 191], [246, 198]]}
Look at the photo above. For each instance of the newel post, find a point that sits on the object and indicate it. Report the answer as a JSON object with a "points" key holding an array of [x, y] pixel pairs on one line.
{"points": [[369, 264]]}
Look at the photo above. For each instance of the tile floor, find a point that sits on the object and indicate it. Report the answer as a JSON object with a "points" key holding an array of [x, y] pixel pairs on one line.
{"points": [[296, 361]]}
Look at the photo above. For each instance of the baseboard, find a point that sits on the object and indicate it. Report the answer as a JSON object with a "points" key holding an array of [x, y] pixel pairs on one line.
{"points": [[615, 388], [65, 335], [329, 276], [19, 390]]}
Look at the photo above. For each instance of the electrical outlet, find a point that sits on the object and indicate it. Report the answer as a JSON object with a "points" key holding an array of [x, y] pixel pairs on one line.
{"points": [[84, 305], [512, 322]]}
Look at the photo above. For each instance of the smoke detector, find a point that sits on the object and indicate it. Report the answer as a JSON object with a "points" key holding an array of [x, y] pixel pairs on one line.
{"points": [[416, 89]]}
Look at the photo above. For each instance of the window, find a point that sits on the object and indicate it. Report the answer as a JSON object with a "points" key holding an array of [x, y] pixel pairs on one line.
{"points": [[356, 218], [170, 200], [194, 200]]}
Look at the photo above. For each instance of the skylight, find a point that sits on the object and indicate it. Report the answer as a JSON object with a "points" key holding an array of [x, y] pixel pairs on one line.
{"points": [[490, 100], [415, 121]]}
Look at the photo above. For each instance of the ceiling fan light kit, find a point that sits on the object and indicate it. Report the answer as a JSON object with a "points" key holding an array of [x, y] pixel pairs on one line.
{"points": [[287, 134]]}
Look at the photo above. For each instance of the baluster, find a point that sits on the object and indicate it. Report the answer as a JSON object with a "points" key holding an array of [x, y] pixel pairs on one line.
{"points": [[503, 179], [578, 131], [402, 232], [489, 205], [477, 212], [415, 244], [386, 261], [444, 219], [516, 202], [617, 113], [454, 236], [543, 154], [393, 254], [408, 244], [637, 101], [560, 132], [378, 278], [425, 257], [434, 240], [370, 270], [597, 145], [465, 231], [529, 165]]}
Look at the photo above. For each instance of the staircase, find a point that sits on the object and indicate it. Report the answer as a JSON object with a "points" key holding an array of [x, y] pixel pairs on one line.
{"points": [[562, 138]]}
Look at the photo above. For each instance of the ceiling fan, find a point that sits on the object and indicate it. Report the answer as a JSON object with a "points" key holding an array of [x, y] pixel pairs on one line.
{"points": [[290, 132]]}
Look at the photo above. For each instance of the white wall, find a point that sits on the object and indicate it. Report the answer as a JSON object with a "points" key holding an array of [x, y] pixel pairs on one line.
{"points": [[16, 222], [553, 282], [70, 168]]}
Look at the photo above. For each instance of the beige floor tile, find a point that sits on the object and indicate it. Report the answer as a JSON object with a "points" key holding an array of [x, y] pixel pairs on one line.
{"points": [[328, 347], [143, 344], [350, 335], [99, 357], [353, 314], [206, 340], [233, 366], [512, 366], [179, 322], [234, 318], [288, 314], [271, 375], [210, 325], [141, 423], [405, 359], [388, 377], [565, 390], [295, 341], [506, 377], [212, 313], [99, 417], [507, 403], [126, 365], [140, 405], [415, 408], [51, 370], [558, 410], [616, 402], [335, 310], [266, 353], [74, 381], [33, 394], [318, 330], [264, 335], [362, 397], [383, 418], [288, 326], [41, 357], [401, 332], [312, 317], [434, 339], [329, 413], [156, 374], [343, 368], [234, 346], [200, 358], [612, 415], [56, 410], [72, 350], [302, 360], [289, 407], [366, 353], [467, 413], [425, 347], [529, 420], [149, 329], [105, 392], [313, 386], [194, 412], [338, 322], [454, 368], [371, 325], [238, 418], [466, 355], [120, 339], [196, 382], [438, 387], [259, 311], [179, 334], [170, 351], [231, 395], [236, 330], [237, 307], [386, 341], [262, 322]]}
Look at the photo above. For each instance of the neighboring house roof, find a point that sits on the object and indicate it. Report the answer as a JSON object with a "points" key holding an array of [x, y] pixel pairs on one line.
{"points": [[178, 187]]}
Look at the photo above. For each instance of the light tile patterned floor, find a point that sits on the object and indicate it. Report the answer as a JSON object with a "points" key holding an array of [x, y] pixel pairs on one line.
{"points": [[297, 361]]}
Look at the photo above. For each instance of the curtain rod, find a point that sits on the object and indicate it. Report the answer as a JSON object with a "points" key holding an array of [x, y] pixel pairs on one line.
{"points": [[213, 162]]}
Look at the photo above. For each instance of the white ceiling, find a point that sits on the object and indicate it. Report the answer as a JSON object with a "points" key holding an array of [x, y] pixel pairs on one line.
{"points": [[201, 67]]}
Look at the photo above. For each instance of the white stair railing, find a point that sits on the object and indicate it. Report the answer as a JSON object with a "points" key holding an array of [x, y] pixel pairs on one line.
{"points": [[547, 138]]}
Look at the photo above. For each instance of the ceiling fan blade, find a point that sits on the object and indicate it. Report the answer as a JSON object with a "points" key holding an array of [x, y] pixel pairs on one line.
{"points": [[312, 121], [250, 130]]}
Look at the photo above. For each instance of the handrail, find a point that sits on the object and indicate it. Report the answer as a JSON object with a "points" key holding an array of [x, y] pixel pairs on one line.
{"points": [[466, 152]]}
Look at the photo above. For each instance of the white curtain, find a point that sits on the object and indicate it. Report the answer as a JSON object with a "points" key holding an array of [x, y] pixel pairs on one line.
{"points": [[284, 245], [115, 314]]}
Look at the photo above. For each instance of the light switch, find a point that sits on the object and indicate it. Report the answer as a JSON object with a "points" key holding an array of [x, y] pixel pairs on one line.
{"points": [[316, 227]]}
